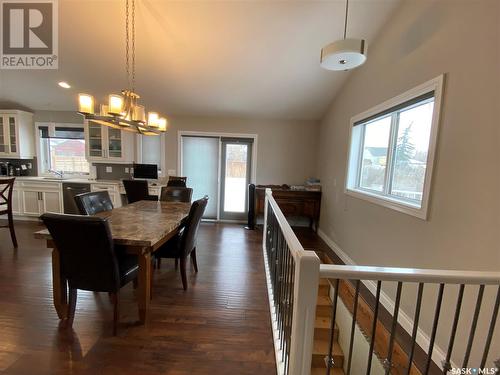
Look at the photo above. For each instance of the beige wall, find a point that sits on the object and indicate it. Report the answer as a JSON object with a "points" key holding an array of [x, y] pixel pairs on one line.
{"points": [[286, 151], [425, 39]]}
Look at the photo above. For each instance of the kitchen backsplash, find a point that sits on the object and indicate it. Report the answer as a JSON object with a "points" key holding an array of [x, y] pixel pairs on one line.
{"points": [[112, 171], [21, 167]]}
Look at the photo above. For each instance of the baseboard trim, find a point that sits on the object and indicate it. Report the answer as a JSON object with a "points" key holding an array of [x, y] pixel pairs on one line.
{"points": [[423, 340]]}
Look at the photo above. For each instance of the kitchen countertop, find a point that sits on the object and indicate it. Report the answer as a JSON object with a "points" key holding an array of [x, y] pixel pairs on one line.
{"points": [[71, 180]]}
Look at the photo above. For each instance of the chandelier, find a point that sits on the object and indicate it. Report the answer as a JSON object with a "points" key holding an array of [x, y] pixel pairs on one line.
{"points": [[123, 111]]}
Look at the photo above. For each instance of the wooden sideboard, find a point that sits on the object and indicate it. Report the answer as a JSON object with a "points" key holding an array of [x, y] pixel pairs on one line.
{"points": [[299, 203]]}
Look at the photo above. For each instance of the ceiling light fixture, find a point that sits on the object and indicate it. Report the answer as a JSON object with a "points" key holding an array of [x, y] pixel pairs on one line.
{"points": [[344, 54], [64, 85], [123, 111]]}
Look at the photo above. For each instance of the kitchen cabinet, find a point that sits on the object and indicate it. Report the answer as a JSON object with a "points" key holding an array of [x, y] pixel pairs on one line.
{"points": [[112, 189], [17, 134], [106, 144], [40, 197]]}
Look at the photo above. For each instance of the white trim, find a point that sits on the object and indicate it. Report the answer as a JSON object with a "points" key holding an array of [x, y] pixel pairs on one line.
{"points": [[438, 355], [436, 85]]}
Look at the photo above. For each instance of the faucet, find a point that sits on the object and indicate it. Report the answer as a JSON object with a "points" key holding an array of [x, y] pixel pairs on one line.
{"points": [[57, 173]]}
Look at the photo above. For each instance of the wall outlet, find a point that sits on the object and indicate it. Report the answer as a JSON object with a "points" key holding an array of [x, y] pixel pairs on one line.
{"points": [[126, 170], [109, 169], [29, 165], [171, 172]]}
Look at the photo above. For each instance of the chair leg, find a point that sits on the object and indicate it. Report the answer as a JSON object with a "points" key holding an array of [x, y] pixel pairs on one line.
{"points": [[11, 228], [116, 311], [176, 263], [71, 307], [183, 273], [193, 259]]}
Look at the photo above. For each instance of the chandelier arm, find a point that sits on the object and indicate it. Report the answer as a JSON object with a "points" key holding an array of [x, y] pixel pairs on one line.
{"points": [[345, 21], [127, 33]]}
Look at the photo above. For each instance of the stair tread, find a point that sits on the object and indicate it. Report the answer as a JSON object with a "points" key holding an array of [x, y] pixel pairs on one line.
{"points": [[322, 371], [324, 282], [324, 301], [322, 346], [323, 322]]}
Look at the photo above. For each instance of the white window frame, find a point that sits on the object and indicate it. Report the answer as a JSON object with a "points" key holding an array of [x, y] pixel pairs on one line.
{"points": [[52, 128], [353, 170], [162, 172]]}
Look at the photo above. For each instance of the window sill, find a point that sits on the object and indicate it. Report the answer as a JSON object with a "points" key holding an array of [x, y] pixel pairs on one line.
{"points": [[394, 204]]}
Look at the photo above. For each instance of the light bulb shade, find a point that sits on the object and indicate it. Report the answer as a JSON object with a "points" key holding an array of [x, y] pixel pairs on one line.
{"points": [[104, 110], [115, 105], [139, 113], [153, 119], [86, 104], [162, 124], [344, 54]]}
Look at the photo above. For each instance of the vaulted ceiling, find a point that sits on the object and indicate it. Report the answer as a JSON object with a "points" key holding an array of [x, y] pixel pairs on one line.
{"points": [[209, 58]]}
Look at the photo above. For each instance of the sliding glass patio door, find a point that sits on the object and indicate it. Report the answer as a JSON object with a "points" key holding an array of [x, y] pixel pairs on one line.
{"points": [[219, 167]]}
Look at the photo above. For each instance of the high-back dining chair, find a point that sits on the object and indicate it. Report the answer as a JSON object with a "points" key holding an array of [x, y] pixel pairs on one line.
{"points": [[183, 244], [6, 188], [88, 258], [176, 194], [137, 190], [93, 202], [177, 181]]}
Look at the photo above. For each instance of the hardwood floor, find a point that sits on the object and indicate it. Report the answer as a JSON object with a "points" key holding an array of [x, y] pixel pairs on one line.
{"points": [[219, 326]]}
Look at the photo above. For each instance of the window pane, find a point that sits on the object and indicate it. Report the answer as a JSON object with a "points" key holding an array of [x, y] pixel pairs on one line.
{"points": [[374, 159], [68, 155], [410, 156], [235, 187]]}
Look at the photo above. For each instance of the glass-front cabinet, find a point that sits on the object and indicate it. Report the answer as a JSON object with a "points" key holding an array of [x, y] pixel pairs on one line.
{"points": [[16, 134], [106, 143]]}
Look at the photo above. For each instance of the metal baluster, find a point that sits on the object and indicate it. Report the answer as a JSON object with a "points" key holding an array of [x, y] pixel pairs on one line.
{"points": [[279, 307], [330, 363], [388, 360], [353, 326], [374, 328], [283, 300], [415, 326], [290, 319], [473, 325], [490, 330], [288, 308], [434, 328], [447, 363]]}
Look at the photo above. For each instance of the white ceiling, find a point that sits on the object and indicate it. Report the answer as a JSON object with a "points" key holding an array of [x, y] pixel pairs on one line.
{"points": [[210, 58]]}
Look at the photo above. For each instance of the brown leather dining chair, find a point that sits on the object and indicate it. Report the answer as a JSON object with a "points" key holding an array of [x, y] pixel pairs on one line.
{"points": [[177, 181], [93, 202], [176, 194], [137, 190], [6, 188], [183, 244], [88, 258]]}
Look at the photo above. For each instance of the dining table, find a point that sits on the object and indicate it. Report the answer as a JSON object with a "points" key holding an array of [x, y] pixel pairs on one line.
{"points": [[140, 228]]}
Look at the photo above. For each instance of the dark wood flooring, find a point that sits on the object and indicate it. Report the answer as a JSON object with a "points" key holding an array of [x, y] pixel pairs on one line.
{"points": [[219, 326]]}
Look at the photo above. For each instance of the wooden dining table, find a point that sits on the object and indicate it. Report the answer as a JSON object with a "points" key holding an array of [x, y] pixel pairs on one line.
{"points": [[141, 228]]}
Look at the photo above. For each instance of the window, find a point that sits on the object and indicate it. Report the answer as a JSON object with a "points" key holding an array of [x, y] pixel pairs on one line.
{"points": [[392, 150], [62, 148], [151, 150]]}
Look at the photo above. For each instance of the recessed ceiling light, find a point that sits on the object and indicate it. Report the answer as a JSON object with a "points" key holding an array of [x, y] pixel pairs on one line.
{"points": [[64, 85]]}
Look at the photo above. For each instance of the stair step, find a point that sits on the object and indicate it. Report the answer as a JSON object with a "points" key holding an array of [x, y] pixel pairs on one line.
{"points": [[322, 328], [323, 306], [323, 287], [322, 371], [320, 351]]}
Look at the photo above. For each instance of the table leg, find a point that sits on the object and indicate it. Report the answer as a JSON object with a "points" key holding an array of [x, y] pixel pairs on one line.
{"points": [[59, 286], [143, 294]]}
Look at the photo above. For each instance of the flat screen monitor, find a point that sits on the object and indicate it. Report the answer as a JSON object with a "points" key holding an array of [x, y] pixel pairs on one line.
{"points": [[146, 171]]}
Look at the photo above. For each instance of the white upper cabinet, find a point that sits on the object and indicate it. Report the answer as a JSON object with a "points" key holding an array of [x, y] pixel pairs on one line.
{"points": [[106, 144], [17, 134]]}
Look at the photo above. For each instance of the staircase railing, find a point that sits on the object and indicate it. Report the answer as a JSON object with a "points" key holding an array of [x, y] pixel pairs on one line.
{"points": [[293, 276]]}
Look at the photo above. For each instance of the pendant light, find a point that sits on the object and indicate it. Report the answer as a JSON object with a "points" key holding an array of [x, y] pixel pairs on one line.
{"points": [[344, 54]]}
